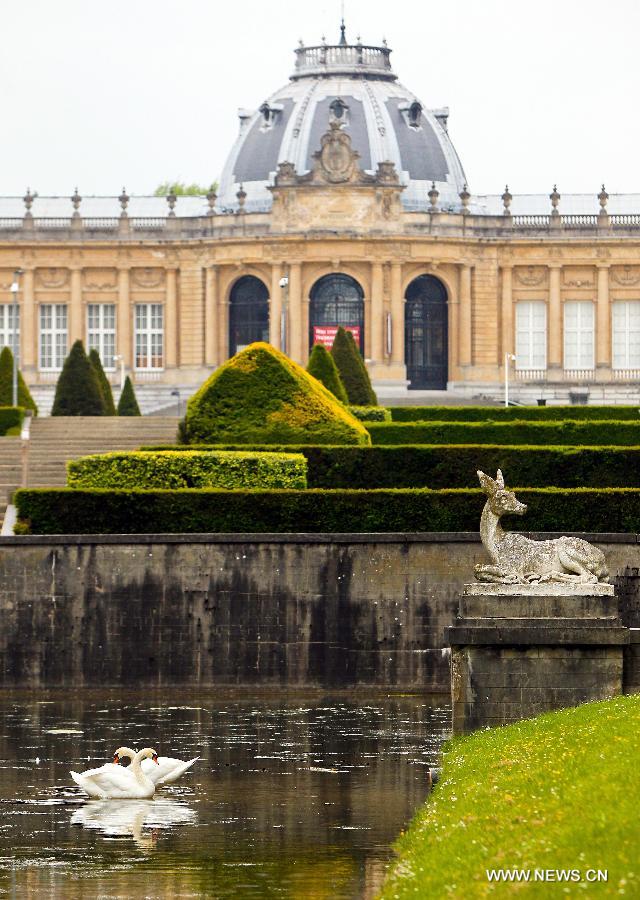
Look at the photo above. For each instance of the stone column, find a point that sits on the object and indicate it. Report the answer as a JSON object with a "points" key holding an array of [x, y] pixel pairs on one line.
{"points": [[275, 307], [296, 337], [28, 326], [223, 327], [376, 324], [555, 357], [603, 324], [508, 338], [465, 355], [211, 323], [454, 336], [75, 322], [171, 320], [125, 314], [397, 315]]}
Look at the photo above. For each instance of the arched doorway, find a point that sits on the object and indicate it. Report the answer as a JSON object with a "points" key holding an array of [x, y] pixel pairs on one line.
{"points": [[336, 300], [248, 313], [425, 331]]}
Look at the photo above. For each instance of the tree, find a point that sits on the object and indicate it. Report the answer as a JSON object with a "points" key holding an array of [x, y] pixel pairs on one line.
{"points": [[181, 189], [78, 390], [127, 404], [352, 370], [6, 384], [109, 407], [322, 367]]}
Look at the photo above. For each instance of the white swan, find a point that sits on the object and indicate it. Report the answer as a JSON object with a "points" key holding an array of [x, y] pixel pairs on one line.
{"points": [[113, 782], [167, 771]]}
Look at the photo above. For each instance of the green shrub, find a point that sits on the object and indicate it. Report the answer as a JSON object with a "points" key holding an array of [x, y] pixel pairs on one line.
{"points": [[352, 369], [108, 406], [261, 397], [11, 419], [25, 400], [69, 511], [78, 389], [510, 413], [322, 367], [436, 466], [188, 469], [127, 404], [370, 413], [507, 433]]}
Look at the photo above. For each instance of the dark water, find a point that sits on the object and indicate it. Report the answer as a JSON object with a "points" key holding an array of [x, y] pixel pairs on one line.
{"points": [[296, 795]]}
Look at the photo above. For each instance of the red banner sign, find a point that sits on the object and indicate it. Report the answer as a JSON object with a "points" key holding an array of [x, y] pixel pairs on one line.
{"points": [[325, 334]]}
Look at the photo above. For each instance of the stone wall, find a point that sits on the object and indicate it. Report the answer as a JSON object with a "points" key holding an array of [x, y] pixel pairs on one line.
{"points": [[304, 610]]}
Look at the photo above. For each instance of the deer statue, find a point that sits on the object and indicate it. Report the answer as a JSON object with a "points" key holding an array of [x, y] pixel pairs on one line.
{"points": [[517, 559]]}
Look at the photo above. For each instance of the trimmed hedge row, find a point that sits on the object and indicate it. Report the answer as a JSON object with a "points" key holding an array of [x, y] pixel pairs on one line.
{"points": [[188, 469], [437, 466], [585, 434], [510, 413], [67, 511], [370, 413], [10, 417]]}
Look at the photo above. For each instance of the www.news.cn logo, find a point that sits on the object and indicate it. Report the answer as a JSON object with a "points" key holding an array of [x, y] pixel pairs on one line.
{"points": [[547, 875]]}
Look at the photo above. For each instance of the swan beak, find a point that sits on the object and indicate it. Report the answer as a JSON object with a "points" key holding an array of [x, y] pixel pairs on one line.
{"points": [[155, 759], [116, 759]]}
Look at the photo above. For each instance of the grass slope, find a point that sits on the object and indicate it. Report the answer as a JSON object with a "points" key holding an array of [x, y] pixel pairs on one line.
{"points": [[561, 791]]}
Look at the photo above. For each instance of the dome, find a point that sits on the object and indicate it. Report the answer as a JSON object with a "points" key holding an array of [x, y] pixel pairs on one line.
{"points": [[386, 121]]}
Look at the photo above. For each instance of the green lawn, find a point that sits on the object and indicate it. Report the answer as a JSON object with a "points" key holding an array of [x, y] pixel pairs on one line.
{"points": [[561, 791]]}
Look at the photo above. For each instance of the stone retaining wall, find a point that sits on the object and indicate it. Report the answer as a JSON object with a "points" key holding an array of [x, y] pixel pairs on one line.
{"points": [[303, 610]]}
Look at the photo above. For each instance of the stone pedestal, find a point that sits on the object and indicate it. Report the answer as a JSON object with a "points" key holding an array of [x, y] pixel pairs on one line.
{"points": [[521, 650]]}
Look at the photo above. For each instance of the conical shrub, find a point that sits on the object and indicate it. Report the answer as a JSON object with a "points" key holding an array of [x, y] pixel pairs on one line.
{"points": [[78, 389], [352, 370], [322, 367], [6, 384], [108, 406], [127, 404]]}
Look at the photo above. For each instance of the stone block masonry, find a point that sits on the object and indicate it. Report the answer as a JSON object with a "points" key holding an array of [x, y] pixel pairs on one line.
{"points": [[332, 610], [520, 650]]}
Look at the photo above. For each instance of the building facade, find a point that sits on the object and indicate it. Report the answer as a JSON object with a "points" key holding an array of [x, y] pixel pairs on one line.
{"points": [[343, 202]]}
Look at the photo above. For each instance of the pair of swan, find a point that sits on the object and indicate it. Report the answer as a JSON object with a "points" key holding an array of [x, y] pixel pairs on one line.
{"points": [[137, 782]]}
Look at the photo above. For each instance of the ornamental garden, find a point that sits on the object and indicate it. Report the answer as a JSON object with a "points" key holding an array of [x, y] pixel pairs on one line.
{"points": [[266, 446]]}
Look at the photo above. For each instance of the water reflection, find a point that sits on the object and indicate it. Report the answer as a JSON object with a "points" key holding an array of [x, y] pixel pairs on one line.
{"points": [[117, 818], [295, 795]]}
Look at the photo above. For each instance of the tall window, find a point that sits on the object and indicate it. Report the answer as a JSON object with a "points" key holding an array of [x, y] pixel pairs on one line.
{"points": [[101, 331], [578, 335], [10, 327], [626, 334], [531, 334], [149, 336], [53, 335]]}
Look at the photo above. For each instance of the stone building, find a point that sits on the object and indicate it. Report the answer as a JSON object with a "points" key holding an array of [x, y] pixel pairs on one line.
{"points": [[343, 201]]}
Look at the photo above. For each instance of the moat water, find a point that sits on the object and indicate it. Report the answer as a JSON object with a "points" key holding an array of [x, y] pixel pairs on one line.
{"points": [[296, 795]]}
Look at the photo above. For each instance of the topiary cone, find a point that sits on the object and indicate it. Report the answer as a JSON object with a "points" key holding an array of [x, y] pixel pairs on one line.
{"points": [[127, 404], [78, 389], [322, 367], [6, 384], [108, 405], [352, 369]]}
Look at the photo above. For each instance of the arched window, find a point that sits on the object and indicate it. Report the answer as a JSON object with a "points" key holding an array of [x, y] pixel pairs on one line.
{"points": [[248, 313], [425, 329], [336, 300]]}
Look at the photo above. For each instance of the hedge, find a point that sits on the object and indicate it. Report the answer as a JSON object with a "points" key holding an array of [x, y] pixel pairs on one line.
{"points": [[587, 434], [10, 417], [262, 397], [25, 400], [186, 469], [68, 511], [78, 391], [437, 466], [370, 413], [352, 370], [510, 413], [322, 367]]}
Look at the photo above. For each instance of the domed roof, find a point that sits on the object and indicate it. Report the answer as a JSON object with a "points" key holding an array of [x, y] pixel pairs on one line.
{"points": [[386, 121]]}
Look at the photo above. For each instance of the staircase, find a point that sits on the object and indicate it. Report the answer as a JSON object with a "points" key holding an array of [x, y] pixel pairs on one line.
{"points": [[10, 469], [56, 439]]}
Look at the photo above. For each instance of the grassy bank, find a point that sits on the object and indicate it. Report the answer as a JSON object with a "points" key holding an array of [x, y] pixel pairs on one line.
{"points": [[561, 791]]}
